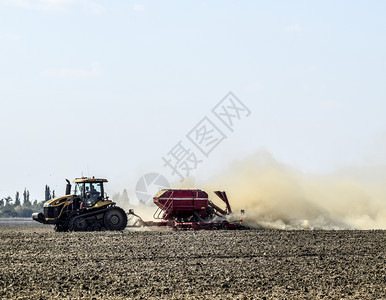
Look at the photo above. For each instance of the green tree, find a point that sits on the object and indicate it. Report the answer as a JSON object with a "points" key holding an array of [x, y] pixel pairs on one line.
{"points": [[7, 210], [53, 194], [23, 211], [26, 201], [37, 206], [124, 198], [17, 199], [8, 201], [47, 193]]}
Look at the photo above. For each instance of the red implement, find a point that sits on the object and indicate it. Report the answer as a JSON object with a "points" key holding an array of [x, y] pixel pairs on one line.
{"points": [[187, 209]]}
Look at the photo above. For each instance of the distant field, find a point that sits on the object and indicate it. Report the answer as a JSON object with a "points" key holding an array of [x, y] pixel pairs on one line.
{"points": [[22, 221], [37, 263]]}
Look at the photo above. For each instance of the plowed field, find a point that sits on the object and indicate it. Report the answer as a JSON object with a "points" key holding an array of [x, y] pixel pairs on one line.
{"points": [[38, 263]]}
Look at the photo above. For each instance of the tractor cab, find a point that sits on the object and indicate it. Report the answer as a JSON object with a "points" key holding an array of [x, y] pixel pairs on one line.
{"points": [[89, 191]]}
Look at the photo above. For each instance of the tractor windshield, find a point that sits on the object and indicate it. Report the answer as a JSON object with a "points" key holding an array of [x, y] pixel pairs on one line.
{"points": [[79, 189], [92, 192]]}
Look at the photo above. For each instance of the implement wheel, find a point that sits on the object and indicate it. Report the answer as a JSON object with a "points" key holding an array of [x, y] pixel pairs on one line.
{"points": [[115, 219]]}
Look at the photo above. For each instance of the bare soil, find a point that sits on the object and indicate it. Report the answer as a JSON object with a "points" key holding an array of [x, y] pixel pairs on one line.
{"points": [[38, 263]]}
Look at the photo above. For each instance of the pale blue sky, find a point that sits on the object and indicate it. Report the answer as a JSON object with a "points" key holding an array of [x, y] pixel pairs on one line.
{"points": [[109, 87]]}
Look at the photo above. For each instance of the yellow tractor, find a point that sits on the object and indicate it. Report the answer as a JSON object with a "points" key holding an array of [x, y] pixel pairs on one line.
{"points": [[87, 209]]}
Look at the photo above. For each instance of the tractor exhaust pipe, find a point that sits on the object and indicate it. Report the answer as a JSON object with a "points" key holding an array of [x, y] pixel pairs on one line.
{"points": [[68, 187]]}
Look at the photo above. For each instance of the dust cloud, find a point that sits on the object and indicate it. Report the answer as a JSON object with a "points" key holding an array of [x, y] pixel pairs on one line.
{"points": [[275, 195]]}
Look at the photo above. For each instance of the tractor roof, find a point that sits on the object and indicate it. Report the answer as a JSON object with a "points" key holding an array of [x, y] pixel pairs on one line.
{"points": [[92, 179]]}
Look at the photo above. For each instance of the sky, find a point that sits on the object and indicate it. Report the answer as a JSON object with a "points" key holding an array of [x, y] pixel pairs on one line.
{"points": [[110, 88]]}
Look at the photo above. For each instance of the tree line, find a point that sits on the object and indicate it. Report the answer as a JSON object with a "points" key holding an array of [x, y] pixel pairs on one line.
{"points": [[11, 208], [121, 198]]}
